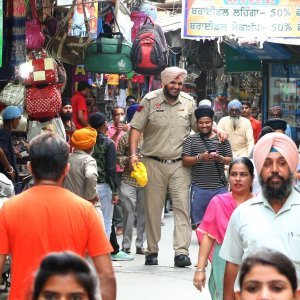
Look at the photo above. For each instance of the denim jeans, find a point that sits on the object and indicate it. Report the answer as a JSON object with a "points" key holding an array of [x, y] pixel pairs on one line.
{"points": [[200, 199], [106, 207]]}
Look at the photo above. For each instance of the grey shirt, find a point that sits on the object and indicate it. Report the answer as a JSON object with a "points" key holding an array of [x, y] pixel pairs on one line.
{"points": [[82, 177]]}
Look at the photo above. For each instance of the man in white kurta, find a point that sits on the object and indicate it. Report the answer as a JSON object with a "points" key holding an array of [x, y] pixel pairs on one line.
{"points": [[239, 130]]}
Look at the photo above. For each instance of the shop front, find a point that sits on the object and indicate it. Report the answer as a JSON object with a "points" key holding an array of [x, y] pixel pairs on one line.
{"points": [[284, 91]]}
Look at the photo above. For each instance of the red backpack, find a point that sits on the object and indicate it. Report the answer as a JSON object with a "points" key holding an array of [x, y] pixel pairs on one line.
{"points": [[149, 50]]}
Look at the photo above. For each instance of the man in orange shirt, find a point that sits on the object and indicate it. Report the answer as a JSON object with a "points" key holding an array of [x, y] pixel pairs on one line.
{"points": [[79, 106], [49, 218], [256, 125]]}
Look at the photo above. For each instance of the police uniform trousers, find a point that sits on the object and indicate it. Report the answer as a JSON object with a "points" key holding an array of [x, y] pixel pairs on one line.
{"points": [[178, 179]]}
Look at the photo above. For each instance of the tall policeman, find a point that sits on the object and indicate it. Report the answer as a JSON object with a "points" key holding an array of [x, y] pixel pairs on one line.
{"points": [[165, 117]]}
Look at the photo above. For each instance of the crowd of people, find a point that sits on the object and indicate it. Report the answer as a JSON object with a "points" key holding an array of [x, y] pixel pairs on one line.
{"points": [[233, 182]]}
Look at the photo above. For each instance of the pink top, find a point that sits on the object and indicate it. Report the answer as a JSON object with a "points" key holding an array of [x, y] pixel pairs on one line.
{"points": [[111, 131], [216, 218]]}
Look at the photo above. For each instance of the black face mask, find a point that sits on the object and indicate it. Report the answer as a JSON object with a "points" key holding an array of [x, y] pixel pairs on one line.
{"points": [[66, 116]]}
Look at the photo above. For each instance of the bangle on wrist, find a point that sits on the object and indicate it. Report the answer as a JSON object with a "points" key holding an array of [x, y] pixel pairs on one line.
{"points": [[200, 270], [11, 170], [132, 155], [222, 160], [198, 156]]}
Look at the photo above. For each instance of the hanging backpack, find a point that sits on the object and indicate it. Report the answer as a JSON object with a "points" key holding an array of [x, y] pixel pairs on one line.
{"points": [[150, 49]]}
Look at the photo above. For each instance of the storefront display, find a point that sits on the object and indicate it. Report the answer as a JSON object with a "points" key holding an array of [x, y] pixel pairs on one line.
{"points": [[284, 91]]}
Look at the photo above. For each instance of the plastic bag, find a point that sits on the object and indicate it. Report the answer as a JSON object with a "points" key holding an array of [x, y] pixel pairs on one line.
{"points": [[139, 173]]}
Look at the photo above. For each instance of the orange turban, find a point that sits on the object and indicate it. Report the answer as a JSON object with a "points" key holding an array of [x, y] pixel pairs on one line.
{"points": [[169, 74], [282, 143], [84, 138]]}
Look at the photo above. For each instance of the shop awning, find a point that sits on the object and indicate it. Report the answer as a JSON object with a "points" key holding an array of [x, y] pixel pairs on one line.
{"points": [[269, 51], [169, 22]]}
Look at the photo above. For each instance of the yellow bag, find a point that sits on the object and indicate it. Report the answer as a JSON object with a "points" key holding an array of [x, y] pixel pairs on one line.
{"points": [[113, 79], [139, 173]]}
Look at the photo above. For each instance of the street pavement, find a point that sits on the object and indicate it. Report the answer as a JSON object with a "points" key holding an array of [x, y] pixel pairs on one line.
{"points": [[135, 281]]}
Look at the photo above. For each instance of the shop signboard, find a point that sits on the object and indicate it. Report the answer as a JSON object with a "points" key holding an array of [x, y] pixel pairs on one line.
{"points": [[79, 74], [250, 19], [285, 70], [236, 62]]}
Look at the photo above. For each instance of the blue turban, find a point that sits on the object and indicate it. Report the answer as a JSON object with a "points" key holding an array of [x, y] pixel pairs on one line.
{"points": [[12, 112], [235, 103], [131, 111]]}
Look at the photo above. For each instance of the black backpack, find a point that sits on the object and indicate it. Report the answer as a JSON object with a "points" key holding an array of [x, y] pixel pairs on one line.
{"points": [[149, 49]]}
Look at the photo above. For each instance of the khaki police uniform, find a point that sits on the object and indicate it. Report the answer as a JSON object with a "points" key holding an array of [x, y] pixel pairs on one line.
{"points": [[164, 127]]}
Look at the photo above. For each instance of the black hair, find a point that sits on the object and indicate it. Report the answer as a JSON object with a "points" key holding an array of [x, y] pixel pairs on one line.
{"points": [[130, 97], [82, 85], [65, 263], [269, 257], [246, 103], [265, 130], [117, 107], [245, 161], [48, 155], [97, 119]]}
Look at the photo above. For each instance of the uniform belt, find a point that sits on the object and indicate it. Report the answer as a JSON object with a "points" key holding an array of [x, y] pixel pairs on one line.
{"points": [[165, 161]]}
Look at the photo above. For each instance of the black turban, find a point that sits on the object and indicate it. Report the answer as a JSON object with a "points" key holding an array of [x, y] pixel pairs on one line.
{"points": [[66, 101], [276, 124], [204, 111]]}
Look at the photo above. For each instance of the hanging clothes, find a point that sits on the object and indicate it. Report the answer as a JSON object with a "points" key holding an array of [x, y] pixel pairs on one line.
{"points": [[14, 32]]}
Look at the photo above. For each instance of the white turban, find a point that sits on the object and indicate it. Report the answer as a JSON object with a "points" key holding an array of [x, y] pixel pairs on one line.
{"points": [[282, 143], [169, 74]]}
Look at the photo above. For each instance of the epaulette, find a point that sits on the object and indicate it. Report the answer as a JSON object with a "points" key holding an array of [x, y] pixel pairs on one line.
{"points": [[186, 96], [151, 95]]}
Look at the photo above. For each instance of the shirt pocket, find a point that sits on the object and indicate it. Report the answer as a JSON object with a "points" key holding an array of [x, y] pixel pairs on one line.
{"points": [[183, 118], [294, 247], [158, 119]]}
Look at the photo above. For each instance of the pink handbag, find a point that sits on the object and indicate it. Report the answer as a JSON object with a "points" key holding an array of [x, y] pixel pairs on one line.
{"points": [[35, 37]]}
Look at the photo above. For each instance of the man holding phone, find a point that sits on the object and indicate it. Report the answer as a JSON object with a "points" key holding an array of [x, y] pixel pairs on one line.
{"points": [[207, 156]]}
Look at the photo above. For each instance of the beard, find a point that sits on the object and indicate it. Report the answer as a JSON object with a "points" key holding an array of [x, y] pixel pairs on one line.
{"points": [[66, 116], [280, 193], [235, 121], [168, 94]]}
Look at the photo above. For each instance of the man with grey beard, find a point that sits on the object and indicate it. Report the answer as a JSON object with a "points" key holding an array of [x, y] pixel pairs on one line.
{"points": [[271, 219], [239, 130]]}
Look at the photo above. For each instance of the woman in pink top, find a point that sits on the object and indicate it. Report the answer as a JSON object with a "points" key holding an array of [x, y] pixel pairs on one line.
{"points": [[212, 229]]}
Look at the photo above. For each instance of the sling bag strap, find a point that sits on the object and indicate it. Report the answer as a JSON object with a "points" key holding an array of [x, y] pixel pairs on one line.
{"points": [[216, 164]]}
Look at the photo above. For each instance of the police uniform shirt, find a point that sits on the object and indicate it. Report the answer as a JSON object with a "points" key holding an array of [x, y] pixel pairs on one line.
{"points": [[165, 125]]}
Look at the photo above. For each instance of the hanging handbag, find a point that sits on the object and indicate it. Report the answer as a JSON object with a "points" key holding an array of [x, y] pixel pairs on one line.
{"points": [[43, 102], [69, 49], [110, 53], [13, 94], [44, 69], [35, 37]]}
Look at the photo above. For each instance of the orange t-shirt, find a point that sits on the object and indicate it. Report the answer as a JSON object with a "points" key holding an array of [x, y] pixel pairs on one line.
{"points": [[256, 127], [44, 219]]}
